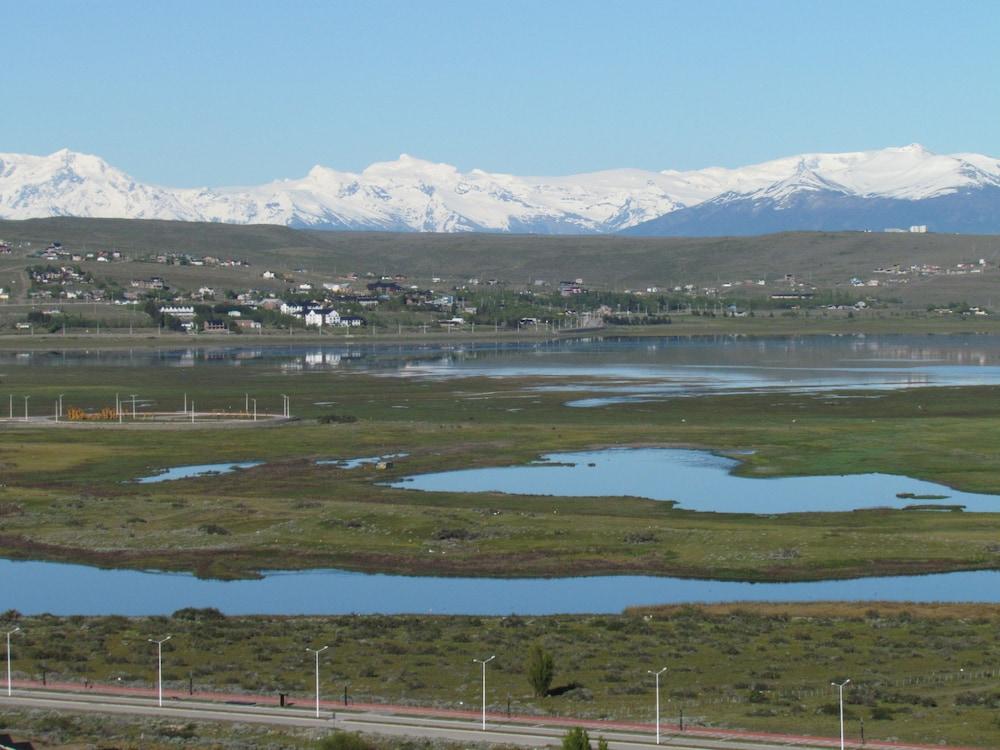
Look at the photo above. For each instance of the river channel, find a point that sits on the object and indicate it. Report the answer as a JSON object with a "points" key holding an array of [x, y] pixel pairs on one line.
{"points": [[56, 588]]}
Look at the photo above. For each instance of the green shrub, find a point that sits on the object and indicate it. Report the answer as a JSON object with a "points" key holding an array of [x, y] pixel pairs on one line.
{"points": [[337, 419], [576, 739], [345, 741]]}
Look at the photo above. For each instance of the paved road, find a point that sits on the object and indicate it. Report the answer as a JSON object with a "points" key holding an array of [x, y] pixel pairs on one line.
{"points": [[453, 729]]}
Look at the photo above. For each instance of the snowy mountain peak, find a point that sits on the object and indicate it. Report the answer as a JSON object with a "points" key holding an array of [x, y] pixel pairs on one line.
{"points": [[414, 194]]}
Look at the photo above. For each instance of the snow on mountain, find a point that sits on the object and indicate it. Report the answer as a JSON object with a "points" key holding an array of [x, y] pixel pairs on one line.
{"points": [[411, 194]]}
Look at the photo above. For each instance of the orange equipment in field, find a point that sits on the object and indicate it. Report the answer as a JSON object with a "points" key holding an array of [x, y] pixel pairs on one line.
{"points": [[76, 414]]}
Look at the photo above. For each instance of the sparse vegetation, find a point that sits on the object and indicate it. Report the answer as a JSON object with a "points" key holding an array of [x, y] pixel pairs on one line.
{"points": [[920, 673]]}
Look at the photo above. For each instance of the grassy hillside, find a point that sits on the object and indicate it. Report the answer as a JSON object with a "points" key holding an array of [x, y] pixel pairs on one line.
{"points": [[825, 259]]}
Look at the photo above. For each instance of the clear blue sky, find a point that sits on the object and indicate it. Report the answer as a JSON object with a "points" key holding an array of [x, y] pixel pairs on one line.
{"points": [[226, 93]]}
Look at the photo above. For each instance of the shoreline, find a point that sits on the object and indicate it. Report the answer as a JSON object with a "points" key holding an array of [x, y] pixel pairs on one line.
{"points": [[684, 327]]}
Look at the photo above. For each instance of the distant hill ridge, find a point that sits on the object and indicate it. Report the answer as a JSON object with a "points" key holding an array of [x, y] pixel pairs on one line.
{"points": [[865, 190]]}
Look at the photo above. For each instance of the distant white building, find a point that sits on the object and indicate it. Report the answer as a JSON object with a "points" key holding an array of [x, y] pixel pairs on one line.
{"points": [[267, 275], [182, 312], [919, 229], [291, 309], [319, 317]]}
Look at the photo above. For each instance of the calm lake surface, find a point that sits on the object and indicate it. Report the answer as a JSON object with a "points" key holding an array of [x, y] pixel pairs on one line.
{"points": [[34, 588], [609, 369], [697, 480]]}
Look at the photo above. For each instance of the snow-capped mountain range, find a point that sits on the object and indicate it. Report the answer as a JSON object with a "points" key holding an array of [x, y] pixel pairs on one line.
{"points": [[858, 190]]}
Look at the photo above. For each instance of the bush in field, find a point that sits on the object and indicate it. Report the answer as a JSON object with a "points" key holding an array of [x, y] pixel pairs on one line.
{"points": [[337, 419], [576, 739], [345, 741], [541, 669]]}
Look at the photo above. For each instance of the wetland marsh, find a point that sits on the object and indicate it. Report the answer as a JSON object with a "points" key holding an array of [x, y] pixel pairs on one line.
{"points": [[69, 494]]}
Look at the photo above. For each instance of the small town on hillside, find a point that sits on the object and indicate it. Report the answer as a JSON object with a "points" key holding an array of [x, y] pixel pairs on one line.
{"points": [[59, 276]]}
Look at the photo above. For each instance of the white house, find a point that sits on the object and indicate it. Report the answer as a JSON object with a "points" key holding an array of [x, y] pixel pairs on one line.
{"points": [[321, 316], [267, 275], [291, 309]]}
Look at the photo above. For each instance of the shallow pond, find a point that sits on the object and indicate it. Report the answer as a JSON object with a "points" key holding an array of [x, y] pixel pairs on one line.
{"points": [[195, 470], [353, 463], [697, 480], [35, 587]]}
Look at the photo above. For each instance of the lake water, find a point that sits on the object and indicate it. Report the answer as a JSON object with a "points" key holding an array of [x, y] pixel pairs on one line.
{"points": [[697, 480], [34, 588], [607, 369]]}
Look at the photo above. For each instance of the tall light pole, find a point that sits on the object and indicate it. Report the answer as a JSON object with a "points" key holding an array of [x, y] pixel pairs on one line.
{"points": [[657, 676], [159, 666], [133, 404], [254, 409], [26, 408], [60, 403], [284, 400], [484, 662], [9, 683], [316, 652], [841, 686]]}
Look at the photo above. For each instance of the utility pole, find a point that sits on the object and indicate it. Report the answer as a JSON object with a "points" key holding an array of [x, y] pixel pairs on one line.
{"points": [[159, 667], [9, 683], [484, 662], [317, 652], [657, 676], [841, 687]]}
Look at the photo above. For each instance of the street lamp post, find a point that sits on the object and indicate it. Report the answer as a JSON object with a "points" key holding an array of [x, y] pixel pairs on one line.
{"points": [[484, 662], [61, 403], [133, 395], [254, 409], [159, 667], [841, 686], [26, 408], [657, 676], [9, 683], [316, 652]]}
